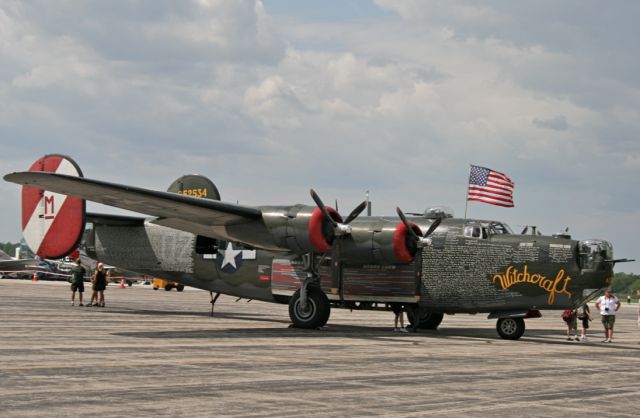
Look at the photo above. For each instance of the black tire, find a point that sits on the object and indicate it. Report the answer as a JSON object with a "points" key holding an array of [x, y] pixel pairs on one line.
{"points": [[180, 287], [168, 287], [428, 320], [510, 328], [317, 313], [155, 288]]}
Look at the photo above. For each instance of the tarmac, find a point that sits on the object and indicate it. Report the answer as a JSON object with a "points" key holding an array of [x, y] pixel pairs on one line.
{"points": [[158, 353]]}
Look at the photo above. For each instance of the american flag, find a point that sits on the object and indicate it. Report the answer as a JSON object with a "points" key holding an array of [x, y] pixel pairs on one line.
{"points": [[490, 186]]}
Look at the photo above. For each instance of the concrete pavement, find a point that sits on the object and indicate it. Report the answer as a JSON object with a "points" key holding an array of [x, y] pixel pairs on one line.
{"points": [[160, 353]]}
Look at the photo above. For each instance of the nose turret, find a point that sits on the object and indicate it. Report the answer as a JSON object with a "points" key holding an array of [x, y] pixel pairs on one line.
{"points": [[595, 259]]}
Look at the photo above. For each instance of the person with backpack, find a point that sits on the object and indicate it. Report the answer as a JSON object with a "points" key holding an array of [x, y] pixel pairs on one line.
{"points": [[569, 316], [584, 315]]}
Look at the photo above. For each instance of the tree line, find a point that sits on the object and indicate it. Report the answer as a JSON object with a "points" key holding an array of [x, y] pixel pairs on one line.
{"points": [[625, 284]]}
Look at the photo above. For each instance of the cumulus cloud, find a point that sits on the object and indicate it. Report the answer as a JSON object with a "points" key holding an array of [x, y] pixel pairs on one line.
{"points": [[397, 99]]}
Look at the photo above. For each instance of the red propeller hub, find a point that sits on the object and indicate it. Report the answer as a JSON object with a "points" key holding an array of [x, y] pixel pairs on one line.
{"points": [[403, 252], [318, 236]]}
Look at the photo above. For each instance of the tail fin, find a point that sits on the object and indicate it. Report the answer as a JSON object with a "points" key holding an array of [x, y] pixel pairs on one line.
{"points": [[52, 223], [195, 185]]}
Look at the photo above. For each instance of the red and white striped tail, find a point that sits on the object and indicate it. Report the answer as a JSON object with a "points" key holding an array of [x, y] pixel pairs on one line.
{"points": [[52, 223]]}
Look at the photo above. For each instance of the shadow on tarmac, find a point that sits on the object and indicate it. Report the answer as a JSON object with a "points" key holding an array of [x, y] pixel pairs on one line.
{"points": [[537, 336], [549, 336]]}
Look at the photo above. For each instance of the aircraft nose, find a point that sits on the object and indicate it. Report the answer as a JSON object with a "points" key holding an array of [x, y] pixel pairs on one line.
{"points": [[595, 260]]}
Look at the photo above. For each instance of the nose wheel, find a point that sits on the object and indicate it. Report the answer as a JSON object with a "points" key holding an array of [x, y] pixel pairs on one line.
{"points": [[510, 328]]}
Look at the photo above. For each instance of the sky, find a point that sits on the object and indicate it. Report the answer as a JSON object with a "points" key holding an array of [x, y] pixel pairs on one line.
{"points": [[271, 98]]}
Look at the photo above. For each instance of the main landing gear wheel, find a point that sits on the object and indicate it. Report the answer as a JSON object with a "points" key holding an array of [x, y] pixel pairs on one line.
{"points": [[510, 328], [427, 320], [317, 310]]}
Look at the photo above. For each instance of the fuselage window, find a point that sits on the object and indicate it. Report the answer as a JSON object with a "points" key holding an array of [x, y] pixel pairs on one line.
{"points": [[475, 231]]}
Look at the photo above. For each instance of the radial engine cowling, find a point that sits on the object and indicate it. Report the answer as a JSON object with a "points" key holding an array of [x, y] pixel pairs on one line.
{"points": [[304, 229], [386, 243]]}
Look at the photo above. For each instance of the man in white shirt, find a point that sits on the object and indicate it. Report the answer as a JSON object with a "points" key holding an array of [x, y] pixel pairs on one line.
{"points": [[608, 306]]}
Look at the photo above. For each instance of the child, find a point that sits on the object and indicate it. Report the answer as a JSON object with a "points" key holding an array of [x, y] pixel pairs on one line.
{"points": [[584, 314]]}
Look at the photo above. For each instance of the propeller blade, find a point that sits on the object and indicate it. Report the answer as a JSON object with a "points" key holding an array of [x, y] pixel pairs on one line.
{"points": [[433, 227], [323, 208], [406, 224], [354, 213]]}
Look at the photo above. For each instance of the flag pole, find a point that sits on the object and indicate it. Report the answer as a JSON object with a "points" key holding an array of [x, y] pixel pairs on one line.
{"points": [[466, 200]]}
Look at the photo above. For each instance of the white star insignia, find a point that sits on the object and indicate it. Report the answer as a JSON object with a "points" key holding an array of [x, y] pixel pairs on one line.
{"points": [[230, 256]]}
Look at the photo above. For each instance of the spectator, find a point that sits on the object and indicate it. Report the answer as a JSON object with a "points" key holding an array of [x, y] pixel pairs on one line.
{"points": [[398, 310], [584, 315], [570, 318], [99, 284], [608, 306], [77, 282]]}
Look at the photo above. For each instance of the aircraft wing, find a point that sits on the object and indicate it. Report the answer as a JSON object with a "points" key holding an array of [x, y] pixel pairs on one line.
{"points": [[16, 265], [192, 214], [8, 263]]}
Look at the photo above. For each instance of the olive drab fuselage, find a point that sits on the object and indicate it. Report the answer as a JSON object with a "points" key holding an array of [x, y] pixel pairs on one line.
{"points": [[471, 265]]}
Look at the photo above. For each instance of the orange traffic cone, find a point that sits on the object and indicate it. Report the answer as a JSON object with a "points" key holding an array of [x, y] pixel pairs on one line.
{"points": [[121, 283], [35, 277]]}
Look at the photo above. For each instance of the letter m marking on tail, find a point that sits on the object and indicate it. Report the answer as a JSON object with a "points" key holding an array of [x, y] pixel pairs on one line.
{"points": [[49, 207]]}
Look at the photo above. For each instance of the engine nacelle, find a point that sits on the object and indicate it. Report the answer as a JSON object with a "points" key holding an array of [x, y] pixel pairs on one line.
{"points": [[385, 242], [304, 229], [301, 229]]}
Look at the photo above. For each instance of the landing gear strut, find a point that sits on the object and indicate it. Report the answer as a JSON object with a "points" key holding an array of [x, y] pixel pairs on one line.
{"points": [[213, 301], [309, 307]]}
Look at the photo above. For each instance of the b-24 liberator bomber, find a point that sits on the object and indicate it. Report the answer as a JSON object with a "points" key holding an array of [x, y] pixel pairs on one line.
{"points": [[309, 256]]}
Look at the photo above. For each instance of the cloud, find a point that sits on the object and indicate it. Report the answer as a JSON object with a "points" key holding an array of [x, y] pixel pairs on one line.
{"points": [[558, 123], [397, 97]]}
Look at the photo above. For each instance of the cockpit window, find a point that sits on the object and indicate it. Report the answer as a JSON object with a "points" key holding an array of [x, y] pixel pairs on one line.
{"points": [[475, 231], [482, 230], [500, 228]]}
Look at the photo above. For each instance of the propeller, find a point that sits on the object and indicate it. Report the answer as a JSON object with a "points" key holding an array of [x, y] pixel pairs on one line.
{"points": [[339, 228], [421, 240]]}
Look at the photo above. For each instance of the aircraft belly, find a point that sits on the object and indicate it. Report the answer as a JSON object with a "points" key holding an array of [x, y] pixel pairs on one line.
{"points": [[373, 283]]}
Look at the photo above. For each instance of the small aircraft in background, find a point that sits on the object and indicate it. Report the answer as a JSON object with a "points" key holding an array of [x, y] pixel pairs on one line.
{"points": [[12, 267], [47, 269], [44, 269], [310, 257]]}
